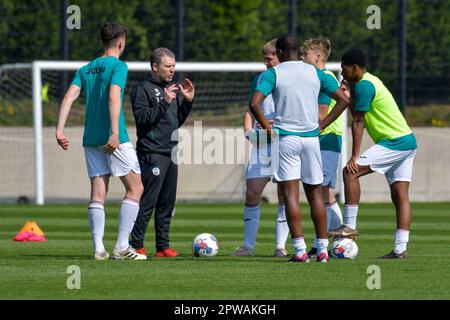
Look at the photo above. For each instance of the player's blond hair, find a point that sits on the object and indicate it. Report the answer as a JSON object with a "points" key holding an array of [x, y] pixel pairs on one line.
{"points": [[269, 47], [321, 44]]}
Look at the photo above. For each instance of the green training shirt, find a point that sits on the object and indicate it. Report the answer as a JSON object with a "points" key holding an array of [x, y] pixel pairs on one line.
{"points": [[95, 79], [331, 138], [383, 120]]}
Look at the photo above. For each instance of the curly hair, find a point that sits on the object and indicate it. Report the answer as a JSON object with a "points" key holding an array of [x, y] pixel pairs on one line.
{"points": [[355, 56], [320, 43]]}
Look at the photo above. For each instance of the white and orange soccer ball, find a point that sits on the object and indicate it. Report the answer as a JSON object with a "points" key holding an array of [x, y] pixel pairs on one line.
{"points": [[205, 245]]}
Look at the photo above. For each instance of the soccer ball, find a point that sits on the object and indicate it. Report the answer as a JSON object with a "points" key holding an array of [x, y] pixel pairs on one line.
{"points": [[344, 248], [205, 245]]}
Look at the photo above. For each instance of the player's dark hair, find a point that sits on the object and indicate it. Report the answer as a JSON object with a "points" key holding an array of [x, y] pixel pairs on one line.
{"points": [[110, 32], [288, 44], [157, 54], [355, 56]]}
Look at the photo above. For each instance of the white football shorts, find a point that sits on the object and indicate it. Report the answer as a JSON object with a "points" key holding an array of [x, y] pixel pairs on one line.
{"points": [[259, 164], [118, 164], [297, 158], [394, 164]]}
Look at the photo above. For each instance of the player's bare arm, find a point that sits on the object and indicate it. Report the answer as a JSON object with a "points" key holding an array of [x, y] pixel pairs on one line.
{"points": [[71, 95], [114, 114], [248, 121], [346, 88], [342, 102], [357, 135], [187, 90], [257, 111], [248, 124]]}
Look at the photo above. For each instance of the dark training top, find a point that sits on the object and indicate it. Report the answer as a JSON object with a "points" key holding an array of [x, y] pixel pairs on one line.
{"points": [[156, 120]]}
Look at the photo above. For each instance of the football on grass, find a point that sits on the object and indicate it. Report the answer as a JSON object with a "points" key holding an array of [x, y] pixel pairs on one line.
{"points": [[344, 248], [205, 245]]}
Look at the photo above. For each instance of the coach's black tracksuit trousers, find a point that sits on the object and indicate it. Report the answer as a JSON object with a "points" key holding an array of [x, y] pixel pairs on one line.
{"points": [[159, 177], [156, 121]]}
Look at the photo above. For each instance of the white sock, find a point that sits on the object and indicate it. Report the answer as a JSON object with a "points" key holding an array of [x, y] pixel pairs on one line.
{"points": [[282, 228], [97, 224], [299, 246], [401, 240], [334, 216], [251, 224], [350, 215], [322, 246], [127, 216]]}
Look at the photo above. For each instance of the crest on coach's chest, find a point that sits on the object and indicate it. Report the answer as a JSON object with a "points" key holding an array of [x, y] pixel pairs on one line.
{"points": [[158, 94]]}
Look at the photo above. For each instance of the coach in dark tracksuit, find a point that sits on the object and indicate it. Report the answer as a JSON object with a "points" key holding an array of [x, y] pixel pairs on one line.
{"points": [[159, 109]]}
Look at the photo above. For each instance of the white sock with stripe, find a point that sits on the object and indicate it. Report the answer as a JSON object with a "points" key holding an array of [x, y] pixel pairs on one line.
{"points": [[282, 228], [96, 214], [127, 216], [251, 224], [350, 215]]}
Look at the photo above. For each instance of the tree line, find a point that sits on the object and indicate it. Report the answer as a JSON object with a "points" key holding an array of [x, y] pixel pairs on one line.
{"points": [[235, 30]]}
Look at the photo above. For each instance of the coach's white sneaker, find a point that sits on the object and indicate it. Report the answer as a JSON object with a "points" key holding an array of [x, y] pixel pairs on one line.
{"points": [[101, 256], [242, 252], [127, 254]]}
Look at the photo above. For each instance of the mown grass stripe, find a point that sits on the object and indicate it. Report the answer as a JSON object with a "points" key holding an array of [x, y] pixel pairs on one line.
{"points": [[41, 267]]}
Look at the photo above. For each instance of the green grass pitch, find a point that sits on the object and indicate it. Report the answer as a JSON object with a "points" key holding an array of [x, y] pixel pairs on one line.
{"points": [[39, 270]]}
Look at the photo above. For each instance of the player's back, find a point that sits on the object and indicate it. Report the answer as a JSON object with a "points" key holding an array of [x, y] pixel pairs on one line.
{"points": [[295, 96], [95, 79]]}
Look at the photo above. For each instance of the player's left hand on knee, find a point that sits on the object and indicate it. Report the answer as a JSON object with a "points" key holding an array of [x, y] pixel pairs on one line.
{"points": [[352, 167]]}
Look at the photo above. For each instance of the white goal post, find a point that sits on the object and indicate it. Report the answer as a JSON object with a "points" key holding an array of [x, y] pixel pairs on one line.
{"points": [[39, 66]]}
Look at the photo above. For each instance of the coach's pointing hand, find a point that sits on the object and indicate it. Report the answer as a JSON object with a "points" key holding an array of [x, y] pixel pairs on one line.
{"points": [[188, 90]]}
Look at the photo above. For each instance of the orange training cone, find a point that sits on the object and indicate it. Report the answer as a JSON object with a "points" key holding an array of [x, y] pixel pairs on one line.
{"points": [[30, 232], [32, 227]]}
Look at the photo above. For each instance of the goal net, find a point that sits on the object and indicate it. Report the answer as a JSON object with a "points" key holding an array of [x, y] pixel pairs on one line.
{"points": [[34, 169]]}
